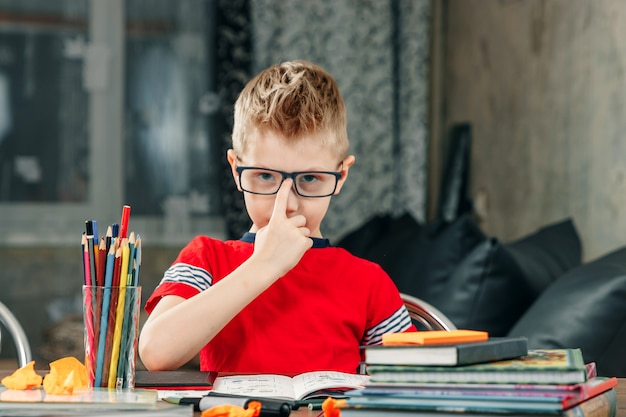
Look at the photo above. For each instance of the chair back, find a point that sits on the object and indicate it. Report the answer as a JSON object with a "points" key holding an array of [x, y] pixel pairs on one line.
{"points": [[425, 316], [12, 325]]}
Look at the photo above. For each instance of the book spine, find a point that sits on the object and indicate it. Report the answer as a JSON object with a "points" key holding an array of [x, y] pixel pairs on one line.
{"points": [[603, 405]]}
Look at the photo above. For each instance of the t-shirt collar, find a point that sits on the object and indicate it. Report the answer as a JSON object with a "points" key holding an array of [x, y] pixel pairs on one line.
{"points": [[318, 242]]}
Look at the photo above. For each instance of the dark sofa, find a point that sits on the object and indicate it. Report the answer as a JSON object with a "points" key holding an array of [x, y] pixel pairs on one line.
{"points": [[535, 286]]}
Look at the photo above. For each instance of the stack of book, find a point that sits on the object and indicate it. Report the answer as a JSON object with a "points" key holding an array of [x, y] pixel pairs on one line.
{"points": [[489, 377]]}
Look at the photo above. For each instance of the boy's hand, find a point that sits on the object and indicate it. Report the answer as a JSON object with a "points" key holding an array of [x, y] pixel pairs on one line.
{"points": [[285, 239]]}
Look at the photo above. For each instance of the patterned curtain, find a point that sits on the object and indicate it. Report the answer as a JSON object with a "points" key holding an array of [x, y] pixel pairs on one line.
{"points": [[377, 50], [233, 66]]}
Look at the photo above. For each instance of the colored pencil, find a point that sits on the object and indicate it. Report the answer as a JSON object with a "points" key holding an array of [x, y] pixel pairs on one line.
{"points": [[102, 255], [138, 261], [131, 256], [90, 351], [86, 265], [92, 254], [96, 244], [127, 324], [104, 318], [112, 315], [94, 227], [88, 307], [129, 329], [98, 289], [117, 267], [108, 238], [119, 317], [101, 259], [124, 222], [90, 313]]}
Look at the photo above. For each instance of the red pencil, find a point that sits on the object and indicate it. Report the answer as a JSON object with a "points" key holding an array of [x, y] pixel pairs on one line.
{"points": [[117, 268], [124, 222], [90, 347]]}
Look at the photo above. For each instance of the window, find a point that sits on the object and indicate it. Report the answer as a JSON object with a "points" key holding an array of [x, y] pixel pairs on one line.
{"points": [[43, 107], [104, 104]]}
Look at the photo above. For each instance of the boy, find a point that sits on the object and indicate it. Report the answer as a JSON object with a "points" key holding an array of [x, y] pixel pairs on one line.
{"points": [[280, 299]]}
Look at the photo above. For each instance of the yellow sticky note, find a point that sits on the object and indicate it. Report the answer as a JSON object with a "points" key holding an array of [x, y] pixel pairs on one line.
{"points": [[435, 337]]}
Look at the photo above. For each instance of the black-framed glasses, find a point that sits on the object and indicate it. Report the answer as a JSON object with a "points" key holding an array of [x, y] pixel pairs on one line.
{"points": [[267, 181]]}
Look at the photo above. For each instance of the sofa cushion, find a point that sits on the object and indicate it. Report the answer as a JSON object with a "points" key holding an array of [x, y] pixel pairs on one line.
{"points": [[478, 282], [379, 231], [420, 259], [584, 308], [486, 291], [422, 266], [481, 283], [547, 254]]}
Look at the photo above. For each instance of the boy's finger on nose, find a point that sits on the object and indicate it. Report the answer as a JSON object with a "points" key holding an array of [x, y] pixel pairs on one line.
{"points": [[280, 203]]}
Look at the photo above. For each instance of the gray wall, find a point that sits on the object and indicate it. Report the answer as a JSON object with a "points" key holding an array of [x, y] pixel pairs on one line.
{"points": [[543, 84]]}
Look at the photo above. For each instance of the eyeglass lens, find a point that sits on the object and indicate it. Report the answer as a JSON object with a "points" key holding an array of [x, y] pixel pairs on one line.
{"points": [[308, 184]]}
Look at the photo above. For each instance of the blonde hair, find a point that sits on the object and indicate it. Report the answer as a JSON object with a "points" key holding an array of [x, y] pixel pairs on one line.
{"points": [[292, 98]]}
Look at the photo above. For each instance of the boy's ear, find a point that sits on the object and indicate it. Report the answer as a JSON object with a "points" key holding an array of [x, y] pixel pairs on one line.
{"points": [[231, 156], [345, 167]]}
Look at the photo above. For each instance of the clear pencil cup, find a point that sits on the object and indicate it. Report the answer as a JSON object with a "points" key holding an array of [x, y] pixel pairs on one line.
{"points": [[111, 318]]}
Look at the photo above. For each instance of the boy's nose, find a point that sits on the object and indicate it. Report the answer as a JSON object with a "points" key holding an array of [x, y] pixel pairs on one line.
{"points": [[293, 200]]}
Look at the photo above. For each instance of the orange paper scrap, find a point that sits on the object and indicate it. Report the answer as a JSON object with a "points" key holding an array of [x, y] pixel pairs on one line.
{"points": [[23, 378], [332, 407], [66, 375], [435, 337]]}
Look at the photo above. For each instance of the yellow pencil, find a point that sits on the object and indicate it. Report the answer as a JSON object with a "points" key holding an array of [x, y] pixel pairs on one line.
{"points": [[119, 316]]}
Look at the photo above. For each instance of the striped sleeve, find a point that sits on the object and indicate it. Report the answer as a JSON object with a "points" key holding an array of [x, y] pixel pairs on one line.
{"points": [[181, 273], [180, 279], [398, 322]]}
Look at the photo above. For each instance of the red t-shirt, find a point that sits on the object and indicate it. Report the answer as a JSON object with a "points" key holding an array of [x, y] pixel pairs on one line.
{"points": [[316, 317]]}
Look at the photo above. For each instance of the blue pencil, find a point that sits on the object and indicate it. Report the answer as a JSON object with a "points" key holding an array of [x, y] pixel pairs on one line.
{"points": [[131, 256], [137, 261], [104, 318], [94, 225]]}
